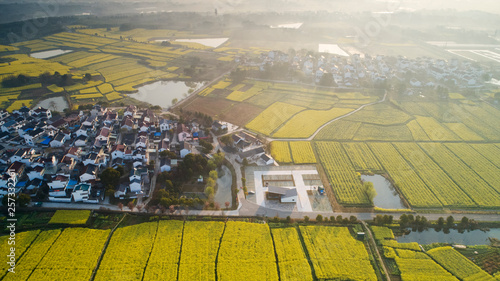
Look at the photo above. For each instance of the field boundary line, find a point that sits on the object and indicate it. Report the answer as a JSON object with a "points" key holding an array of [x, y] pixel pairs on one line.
{"points": [[94, 272], [34, 268], [218, 249], [152, 247]]}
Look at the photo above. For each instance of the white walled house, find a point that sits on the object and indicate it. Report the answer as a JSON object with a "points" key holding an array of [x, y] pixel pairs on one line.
{"points": [[81, 192], [118, 151], [90, 173], [58, 140]]}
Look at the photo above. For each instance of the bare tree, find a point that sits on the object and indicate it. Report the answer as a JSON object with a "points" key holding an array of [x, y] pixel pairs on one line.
{"points": [[130, 205]]}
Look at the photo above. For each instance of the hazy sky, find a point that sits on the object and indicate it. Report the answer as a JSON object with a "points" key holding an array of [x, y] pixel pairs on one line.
{"points": [[492, 6]]}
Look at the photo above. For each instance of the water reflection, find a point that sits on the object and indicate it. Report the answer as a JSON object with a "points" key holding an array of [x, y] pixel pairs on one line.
{"points": [[162, 93], [387, 196], [452, 236]]}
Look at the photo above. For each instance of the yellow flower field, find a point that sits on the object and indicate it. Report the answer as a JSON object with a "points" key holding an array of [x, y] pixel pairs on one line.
{"points": [[302, 152], [113, 96], [33, 67], [271, 118], [55, 89], [87, 96], [70, 216], [336, 255], [221, 84], [305, 123], [18, 104], [280, 151]]}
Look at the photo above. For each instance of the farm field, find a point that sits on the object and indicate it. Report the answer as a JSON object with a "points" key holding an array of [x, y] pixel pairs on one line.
{"points": [[206, 250], [335, 254], [73, 244], [341, 174], [458, 264], [122, 64], [411, 263], [199, 250], [70, 216], [292, 260], [428, 175], [118, 264], [246, 250]]}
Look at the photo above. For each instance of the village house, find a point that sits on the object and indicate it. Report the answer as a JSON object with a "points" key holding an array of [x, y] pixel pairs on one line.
{"points": [[185, 149]]}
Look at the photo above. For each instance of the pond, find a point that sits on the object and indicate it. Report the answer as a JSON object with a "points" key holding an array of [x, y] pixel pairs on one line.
{"points": [[387, 196], [429, 236], [210, 42], [163, 92], [49, 54], [56, 103]]}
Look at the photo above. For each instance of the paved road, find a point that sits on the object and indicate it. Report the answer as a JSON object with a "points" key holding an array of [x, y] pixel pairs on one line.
{"points": [[224, 183], [153, 181]]}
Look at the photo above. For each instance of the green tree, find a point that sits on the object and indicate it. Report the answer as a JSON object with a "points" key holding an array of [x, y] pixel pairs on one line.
{"points": [[464, 222], [110, 177], [209, 191], [238, 75], [227, 140], [306, 218], [411, 219], [163, 154], [440, 221], [211, 165], [206, 146], [5, 200], [319, 218], [339, 219], [450, 221], [327, 80], [121, 170], [23, 200], [219, 159], [210, 182], [403, 220], [369, 190], [213, 175], [353, 219], [169, 185]]}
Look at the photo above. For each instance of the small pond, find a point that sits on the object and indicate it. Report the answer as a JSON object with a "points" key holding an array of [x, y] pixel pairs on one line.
{"points": [[429, 236], [56, 103], [387, 196], [163, 92], [49, 54]]}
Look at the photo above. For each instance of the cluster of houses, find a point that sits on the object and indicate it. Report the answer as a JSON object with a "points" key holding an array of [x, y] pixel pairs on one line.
{"points": [[352, 71], [66, 155], [246, 147]]}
